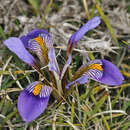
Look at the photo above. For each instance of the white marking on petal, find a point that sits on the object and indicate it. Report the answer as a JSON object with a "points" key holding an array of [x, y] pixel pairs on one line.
{"points": [[31, 87], [46, 40], [35, 47], [45, 92], [94, 74]]}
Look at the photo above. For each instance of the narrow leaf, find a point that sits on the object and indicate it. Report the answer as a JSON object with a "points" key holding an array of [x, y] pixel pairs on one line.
{"points": [[112, 32]]}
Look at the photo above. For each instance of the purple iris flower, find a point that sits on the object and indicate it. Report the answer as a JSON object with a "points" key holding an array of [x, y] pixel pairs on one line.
{"points": [[33, 100], [100, 70]]}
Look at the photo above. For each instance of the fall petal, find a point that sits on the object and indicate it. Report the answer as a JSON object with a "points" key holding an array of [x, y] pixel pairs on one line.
{"points": [[38, 41], [91, 24], [16, 46], [104, 71], [30, 106], [31, 35], [111, 74]]}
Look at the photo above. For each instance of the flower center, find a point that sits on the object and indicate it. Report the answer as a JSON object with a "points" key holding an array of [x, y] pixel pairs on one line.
{"points": [[95, 66], [37, 89]]}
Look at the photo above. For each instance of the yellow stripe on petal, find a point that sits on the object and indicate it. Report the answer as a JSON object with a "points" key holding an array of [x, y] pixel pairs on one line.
{"points": [[37, 89], [85, 68], [96, 66], [41, 42]]}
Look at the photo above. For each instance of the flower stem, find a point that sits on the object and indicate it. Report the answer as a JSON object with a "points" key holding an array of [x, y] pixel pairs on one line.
{"points": [[59, 86]]}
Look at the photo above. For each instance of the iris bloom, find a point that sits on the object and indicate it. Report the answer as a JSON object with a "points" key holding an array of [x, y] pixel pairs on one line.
{"points": [[33, 100]]}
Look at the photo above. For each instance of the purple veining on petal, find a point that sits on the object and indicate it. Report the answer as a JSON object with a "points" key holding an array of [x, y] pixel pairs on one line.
{"points": [[110, 74], [94, 74], [82, 80], [91, 24], [30, 106], [16, 46], [53, 65], [31, 35], [31, 42]]}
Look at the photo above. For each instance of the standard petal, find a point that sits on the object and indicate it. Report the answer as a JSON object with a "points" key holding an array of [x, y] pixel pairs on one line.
{"points": [[82, 80], [91, 24], [66, 66], [16, 46], [111, 74], [104, 71], [53, 65], [31, 105]]}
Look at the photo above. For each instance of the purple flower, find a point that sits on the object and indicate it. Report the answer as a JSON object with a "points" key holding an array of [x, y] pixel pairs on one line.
{"points": [[91, 24], [38, 41], [33, 100], [102, 71]]}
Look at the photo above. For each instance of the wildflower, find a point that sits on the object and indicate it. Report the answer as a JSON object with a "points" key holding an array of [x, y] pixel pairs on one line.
{"points": [[33, 100], [100, 70]]}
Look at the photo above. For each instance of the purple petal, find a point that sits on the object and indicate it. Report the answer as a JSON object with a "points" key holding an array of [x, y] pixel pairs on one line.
{"points": [[91, 24], [111, 74], [31, 106], [66, 66], [16, 46], [31, 35], [53, 65], [39, 42], [93, 73], [82, 80]]}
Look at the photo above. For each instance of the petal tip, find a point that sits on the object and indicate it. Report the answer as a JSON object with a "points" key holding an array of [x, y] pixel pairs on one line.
{"points": [[112, 75]]}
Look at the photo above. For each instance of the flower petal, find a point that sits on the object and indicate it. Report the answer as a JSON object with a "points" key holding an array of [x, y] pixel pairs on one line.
{"points": [[104, 71], [30, 106], [111, 74], [16, 46], [95, 70], [91, 24], [31, 35], [82, 80], [66, 66], [38, 41], [53, 65]]}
